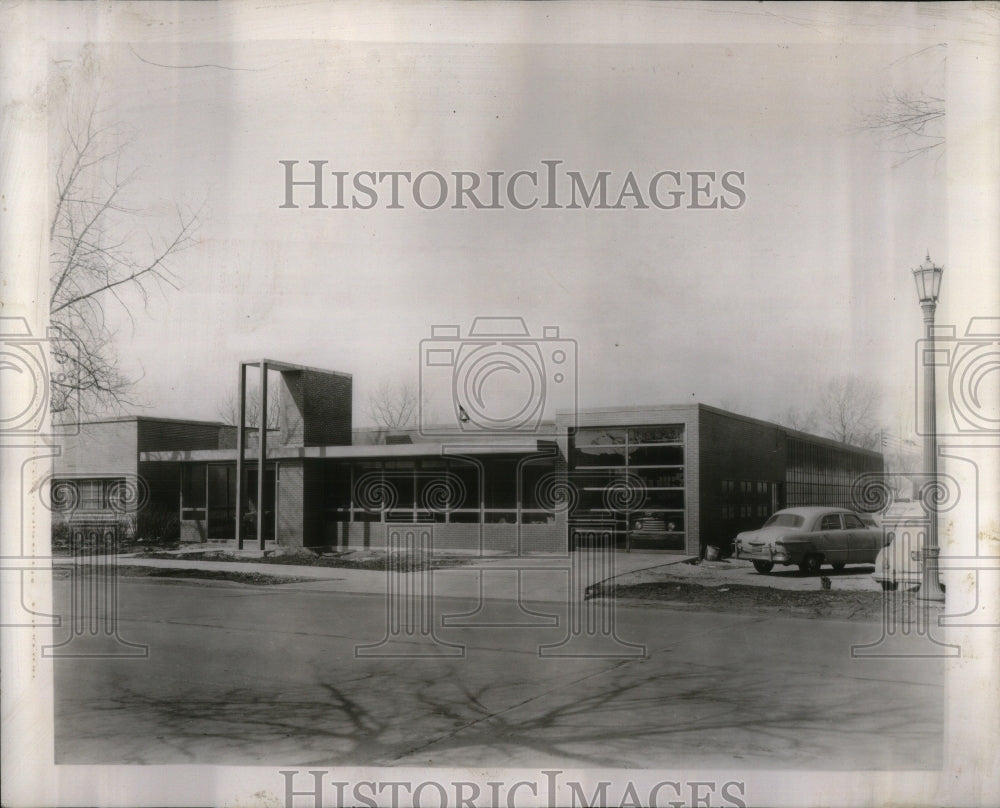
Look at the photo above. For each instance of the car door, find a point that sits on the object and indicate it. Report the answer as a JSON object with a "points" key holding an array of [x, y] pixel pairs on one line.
{"points": [[834, 539], [864, 543]]}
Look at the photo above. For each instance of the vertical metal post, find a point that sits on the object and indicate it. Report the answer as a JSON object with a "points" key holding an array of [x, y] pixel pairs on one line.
{"points": [[241, 425], [262, 429], [930, 587]]}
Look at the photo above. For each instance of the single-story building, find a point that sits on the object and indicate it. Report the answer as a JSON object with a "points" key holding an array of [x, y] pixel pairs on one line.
{"points": [[673, 477]]}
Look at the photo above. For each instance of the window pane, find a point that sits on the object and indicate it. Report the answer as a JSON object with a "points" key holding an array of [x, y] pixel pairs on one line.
{"points": [[501, 482], [193, 486], [599, 437], [664, 499], [656, 434], [599, 456], [536, 478], [467, 480], [657, 456], [660, 478], [221, 486], [338, 487]]}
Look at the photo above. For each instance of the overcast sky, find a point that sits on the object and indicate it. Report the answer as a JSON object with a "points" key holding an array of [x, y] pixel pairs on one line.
{"points": [[750, 308]]}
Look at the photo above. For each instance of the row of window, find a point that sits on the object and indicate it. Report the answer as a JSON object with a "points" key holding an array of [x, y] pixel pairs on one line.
{"points": [[747, 487], [743, 511], [89, 495]]}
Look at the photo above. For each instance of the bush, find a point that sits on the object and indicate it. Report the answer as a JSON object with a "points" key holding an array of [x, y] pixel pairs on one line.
{"points": [[155, 524]]}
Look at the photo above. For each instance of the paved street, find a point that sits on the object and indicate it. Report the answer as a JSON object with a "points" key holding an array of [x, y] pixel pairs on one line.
{"points": [[250, 674]]}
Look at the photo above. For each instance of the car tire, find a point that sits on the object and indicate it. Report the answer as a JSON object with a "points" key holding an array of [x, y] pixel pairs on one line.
{"points": [[763, 566], [811, 564], [889, 586], [838, 567]]}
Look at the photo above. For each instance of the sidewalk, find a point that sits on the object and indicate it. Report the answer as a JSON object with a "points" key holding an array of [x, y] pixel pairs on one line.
{"points": [[512, 578], [532, 578]]}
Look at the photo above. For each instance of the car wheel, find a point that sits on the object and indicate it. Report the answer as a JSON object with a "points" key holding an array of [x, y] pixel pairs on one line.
{"points": [[889, 586], [839, 567], [810, 564], [763, 566]]}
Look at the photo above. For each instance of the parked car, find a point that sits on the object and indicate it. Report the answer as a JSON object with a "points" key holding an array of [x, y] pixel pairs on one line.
{"points": [[810, 537], [899, 562], [651, 529]]}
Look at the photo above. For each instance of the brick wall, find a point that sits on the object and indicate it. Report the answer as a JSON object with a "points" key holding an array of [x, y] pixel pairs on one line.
{"points": [[104, 448], [744, 451], [316, 408], [327, 414], [291, 527], [457, 536]]}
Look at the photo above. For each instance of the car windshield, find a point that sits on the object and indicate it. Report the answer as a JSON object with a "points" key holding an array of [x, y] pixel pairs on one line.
{"points": [[784, 520]]}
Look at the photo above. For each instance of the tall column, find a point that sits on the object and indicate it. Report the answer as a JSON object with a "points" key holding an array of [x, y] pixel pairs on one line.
{"points": [[241, 426], [930, 587], [262, 429]]}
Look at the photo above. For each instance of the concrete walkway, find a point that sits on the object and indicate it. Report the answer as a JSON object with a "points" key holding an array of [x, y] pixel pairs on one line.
{"points": [[528, 578]]}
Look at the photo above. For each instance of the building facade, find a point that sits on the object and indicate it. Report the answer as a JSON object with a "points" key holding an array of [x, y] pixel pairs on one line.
{"points": [[677, 478]]}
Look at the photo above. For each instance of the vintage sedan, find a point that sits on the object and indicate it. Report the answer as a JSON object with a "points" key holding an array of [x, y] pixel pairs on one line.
{"points": [[900, 562], [810, 537]]}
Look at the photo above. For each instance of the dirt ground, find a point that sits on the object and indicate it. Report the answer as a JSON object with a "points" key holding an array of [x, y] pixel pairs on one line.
{"points": [[734, 585], [351, 559]]}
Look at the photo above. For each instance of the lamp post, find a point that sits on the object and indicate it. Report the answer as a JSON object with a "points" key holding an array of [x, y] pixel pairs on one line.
{"points": [[928, 280]]}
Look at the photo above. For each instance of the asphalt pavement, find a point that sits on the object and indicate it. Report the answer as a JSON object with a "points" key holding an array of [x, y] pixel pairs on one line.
{"points": [[215, 672]]}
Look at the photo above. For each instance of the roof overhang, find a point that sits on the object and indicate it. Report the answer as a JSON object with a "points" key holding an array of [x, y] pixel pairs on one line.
{"points": [[344, 452]]}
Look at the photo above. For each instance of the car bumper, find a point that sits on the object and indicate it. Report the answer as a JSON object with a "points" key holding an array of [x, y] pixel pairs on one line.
{"points": [[767, 552]]}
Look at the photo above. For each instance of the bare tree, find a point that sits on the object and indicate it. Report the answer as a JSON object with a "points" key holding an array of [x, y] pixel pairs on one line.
{"points": [[912, 120], [802, 420], [229, 407], [392, 406], [101, 253], [846, 410]]}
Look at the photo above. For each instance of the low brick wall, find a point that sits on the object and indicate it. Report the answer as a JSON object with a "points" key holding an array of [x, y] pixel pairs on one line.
{"points": [[194, 530], [548, 538]]}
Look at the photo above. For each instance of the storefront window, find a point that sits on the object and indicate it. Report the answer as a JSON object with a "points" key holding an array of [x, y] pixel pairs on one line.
{"points": [[193, 491], [634, 476]]}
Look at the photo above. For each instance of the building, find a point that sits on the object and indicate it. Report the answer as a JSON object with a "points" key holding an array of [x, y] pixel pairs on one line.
{"points": [[676, 478]]}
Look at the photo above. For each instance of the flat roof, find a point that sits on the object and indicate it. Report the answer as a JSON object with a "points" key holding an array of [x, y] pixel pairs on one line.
{"points": [[120, 419], [278, 365], [564, 417], [343, 452]]}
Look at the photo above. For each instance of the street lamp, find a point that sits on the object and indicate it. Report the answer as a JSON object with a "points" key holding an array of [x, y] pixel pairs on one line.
{"points": [[928, 280]]}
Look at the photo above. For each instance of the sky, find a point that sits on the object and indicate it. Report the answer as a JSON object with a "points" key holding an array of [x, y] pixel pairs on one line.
{"points": [[751, 308]]}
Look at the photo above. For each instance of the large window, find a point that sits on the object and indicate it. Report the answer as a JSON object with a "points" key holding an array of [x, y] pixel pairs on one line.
{"points": [[89, 495], [193, 491], [221, 502], [497, 489], [634, 476], [824, 475]]}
